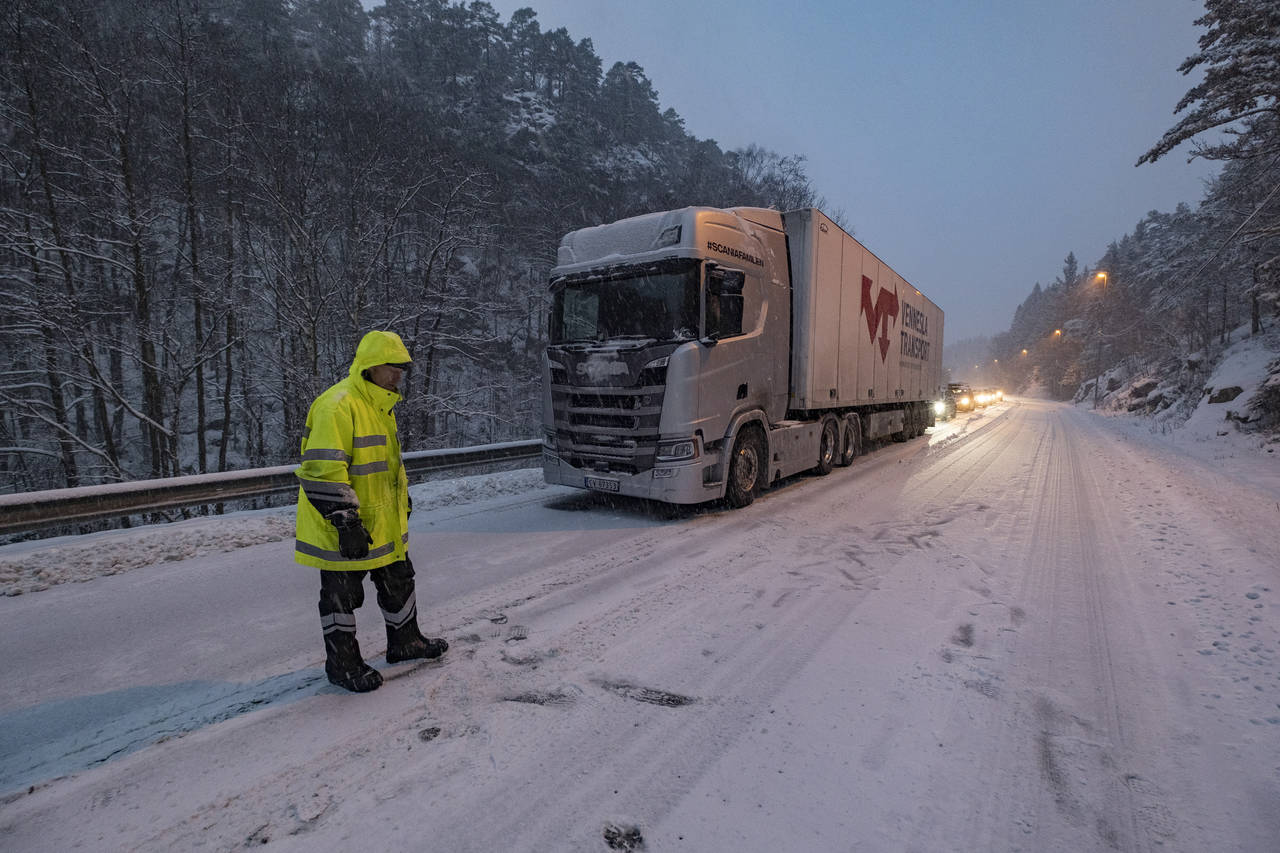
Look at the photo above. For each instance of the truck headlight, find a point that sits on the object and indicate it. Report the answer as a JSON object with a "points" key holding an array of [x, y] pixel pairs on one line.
{"points": [[939, 407], [678, 451]]}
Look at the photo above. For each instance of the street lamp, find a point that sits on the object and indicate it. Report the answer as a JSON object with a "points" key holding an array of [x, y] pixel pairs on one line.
{"points": [[1102, 319]]}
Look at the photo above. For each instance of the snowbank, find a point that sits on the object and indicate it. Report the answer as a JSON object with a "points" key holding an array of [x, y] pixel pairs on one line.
{"points": [[39, 564], [1218, 422]]}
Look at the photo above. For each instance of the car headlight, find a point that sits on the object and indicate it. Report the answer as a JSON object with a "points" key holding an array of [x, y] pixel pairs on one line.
{"points": [[678, 451], [964, 401], [939, 407]]}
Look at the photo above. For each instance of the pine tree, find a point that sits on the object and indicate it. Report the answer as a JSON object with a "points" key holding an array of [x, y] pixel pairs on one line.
{"points": [[1241, 87]]}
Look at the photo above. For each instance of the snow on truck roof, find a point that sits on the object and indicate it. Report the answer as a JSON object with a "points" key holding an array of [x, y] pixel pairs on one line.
{"points": [[649, 236]]}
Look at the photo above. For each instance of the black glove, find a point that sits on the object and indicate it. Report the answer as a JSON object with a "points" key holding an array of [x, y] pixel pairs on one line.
{"points": [[353, 539], [410, 512]]}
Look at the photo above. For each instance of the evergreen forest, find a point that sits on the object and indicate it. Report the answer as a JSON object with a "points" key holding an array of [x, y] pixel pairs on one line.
{"points": [[1142, 327], [204, 204]]}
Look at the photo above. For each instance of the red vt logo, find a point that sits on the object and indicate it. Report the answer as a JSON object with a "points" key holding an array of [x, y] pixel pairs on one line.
{"points": [[878, 315]]}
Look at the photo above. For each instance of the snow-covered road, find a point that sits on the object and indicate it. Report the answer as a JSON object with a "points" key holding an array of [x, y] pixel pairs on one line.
{"points": [[1032, 630]]}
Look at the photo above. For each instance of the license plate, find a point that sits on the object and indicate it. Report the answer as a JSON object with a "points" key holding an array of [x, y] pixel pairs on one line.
{"points": [[602, 485]]}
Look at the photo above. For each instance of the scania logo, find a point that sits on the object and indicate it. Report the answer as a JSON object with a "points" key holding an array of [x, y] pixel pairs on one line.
{"points": [[597, 369]]}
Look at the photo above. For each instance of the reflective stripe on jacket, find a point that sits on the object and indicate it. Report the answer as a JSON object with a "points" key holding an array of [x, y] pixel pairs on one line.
{"points": [[351, 459]]}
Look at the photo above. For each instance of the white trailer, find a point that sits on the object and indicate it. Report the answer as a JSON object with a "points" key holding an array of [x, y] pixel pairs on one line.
{"points": [[862, 335], [707, 353]]}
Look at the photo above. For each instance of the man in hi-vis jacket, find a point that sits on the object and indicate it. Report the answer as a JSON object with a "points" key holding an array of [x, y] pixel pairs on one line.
{"points": [[353, 512]]}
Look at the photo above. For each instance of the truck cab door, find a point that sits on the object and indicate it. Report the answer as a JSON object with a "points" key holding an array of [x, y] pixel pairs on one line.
{"points": [[733, 375]]}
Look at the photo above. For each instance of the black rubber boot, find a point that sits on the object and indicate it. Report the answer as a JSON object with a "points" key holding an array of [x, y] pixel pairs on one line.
{"points": [[407, 643], [345, 667], [362, 680]]}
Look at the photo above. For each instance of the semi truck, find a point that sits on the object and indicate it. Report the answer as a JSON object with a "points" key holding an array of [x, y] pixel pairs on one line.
{"points": [[705, 353]]}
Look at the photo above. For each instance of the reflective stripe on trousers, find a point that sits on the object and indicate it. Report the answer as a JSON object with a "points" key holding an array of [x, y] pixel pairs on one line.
{"points": [[342, 593]]}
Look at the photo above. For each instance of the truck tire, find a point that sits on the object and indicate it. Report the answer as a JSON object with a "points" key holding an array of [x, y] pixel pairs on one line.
{"points": [[747, 468], [849, 441], [903, 434], [911, 425], [828, 447]]}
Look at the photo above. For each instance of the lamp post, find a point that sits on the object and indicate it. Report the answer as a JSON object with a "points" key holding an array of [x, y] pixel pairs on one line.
{"points": [[1054, 358], [1102, 319]]}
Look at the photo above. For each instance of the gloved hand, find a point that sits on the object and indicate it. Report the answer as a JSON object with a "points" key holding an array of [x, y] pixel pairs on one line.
{"points": [[410, 512], [353, 539]]}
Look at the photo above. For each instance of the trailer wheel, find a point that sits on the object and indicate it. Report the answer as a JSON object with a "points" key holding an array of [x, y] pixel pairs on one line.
{"points": [[746, 469], [828, 447], [848, 443], [910, 423], [903, 434]]}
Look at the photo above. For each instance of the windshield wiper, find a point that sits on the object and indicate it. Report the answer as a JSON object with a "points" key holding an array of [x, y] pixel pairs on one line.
{"points": [[635, 341]]}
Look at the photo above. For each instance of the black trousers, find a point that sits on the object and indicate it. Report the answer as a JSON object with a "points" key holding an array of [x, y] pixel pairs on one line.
{"points": [[342, 592]]}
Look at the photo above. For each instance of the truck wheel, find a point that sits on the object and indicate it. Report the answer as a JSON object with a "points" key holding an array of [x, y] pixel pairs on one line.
{"points": [[828, 447], [746, 469], [909, 423], [848, 444], [904, 433]]}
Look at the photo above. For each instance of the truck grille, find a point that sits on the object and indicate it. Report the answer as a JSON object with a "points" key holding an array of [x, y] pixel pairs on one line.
{"points": [[608, 429]]}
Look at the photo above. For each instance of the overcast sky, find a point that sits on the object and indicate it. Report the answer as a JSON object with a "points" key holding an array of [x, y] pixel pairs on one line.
{"points": [[969, 143]]}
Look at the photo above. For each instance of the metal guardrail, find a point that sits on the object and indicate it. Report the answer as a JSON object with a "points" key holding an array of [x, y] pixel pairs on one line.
{"points": [[32, 510]]}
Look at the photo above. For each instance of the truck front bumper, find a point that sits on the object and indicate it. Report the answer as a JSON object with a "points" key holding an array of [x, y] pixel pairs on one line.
{"points": [[676, 484]]}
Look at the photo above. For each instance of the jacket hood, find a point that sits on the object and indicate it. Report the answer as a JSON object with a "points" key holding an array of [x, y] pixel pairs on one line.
{"points": [[378, 347]]}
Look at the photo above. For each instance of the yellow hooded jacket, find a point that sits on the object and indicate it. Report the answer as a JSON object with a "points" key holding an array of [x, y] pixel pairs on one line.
{"points": [[351, 459]]}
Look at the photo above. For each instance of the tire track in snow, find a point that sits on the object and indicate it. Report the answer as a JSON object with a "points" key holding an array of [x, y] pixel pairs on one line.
{"points": [[1044, 660], [589, 623]]}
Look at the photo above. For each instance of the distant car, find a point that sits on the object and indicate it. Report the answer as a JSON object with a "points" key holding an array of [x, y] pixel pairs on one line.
{"points": [[983, 397], [963, 395], [944, 408]]}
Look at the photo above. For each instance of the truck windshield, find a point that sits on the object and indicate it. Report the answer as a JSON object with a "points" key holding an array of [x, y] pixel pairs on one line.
{"points": [[657, 302]]}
